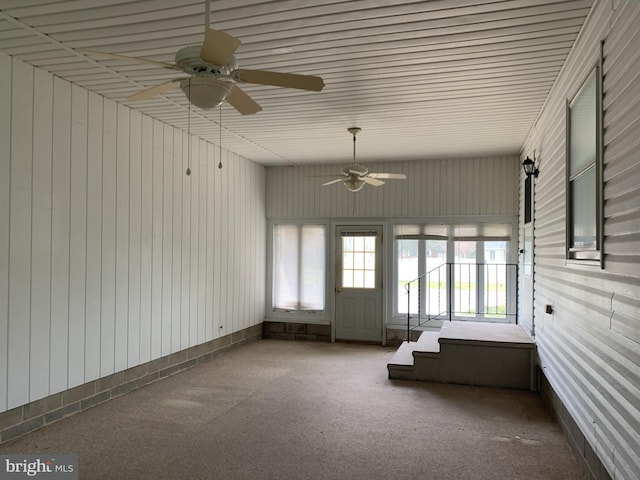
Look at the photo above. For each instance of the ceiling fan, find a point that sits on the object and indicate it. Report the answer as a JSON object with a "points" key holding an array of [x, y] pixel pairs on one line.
{"points": [[213, 73], [354, 176]]}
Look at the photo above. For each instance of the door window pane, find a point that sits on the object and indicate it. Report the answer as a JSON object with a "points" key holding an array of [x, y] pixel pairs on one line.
{"points": [[359, 261]]}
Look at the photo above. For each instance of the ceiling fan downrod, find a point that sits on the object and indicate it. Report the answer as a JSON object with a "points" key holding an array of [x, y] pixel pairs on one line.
{"points": [[353, 131]]}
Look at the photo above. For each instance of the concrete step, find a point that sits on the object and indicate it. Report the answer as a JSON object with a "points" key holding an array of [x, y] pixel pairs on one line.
{"points": [[471, 353]]}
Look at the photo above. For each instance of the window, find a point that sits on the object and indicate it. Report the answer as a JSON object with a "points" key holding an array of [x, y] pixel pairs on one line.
{"points": [[298, 267], [584, 185], [421, 250], [465, 271]]}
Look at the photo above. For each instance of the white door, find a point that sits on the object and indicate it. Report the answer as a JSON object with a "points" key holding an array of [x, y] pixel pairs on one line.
{"points": [[358, 298]]}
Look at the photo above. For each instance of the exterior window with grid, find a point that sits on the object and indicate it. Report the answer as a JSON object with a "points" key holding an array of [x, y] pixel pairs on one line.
{"points": [[584, 178]]}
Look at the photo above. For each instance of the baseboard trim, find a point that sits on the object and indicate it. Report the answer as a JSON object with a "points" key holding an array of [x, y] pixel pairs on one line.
{"points": [[312, 332], [587, 458], [22, 420]]}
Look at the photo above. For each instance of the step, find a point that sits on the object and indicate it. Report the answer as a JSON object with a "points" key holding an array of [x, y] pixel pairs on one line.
{"points": [[482, 333], [470, 353], [427, 343]]}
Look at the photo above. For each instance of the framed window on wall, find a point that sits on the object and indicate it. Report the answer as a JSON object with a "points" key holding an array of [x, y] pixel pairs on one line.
{"points": [[584, 172], [298, 268]]}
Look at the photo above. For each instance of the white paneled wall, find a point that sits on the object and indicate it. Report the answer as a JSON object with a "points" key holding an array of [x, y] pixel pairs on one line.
{"points": [[448, 187], [589, 348], [110, 256]]}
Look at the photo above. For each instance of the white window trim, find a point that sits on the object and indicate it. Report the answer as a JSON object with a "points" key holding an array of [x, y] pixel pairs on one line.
{"points": [[399, 320], [296, 316], [587, 256]]}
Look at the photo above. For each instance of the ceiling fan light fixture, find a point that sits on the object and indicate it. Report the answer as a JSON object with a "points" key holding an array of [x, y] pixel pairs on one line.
{"points": [[206, 91], [354, 184]]}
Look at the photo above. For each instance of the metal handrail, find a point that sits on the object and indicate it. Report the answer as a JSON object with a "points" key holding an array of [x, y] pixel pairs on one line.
{"points": [[408, 289], [511, 282]]}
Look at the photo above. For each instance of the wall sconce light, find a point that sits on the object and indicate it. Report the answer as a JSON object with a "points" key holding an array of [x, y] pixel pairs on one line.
{"points": [[529, 167]]}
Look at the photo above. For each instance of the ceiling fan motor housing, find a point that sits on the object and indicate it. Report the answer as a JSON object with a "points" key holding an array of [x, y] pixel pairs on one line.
{"points": [[355, 169], [188, 58]]}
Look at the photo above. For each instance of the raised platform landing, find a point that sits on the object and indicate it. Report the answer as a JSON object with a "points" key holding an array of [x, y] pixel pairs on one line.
{"points": [[470, 353]]}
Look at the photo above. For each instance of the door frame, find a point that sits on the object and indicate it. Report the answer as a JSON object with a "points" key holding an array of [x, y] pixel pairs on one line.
{"points": [[362, 225]]}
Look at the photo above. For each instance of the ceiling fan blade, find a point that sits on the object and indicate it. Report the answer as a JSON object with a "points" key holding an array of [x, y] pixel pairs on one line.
{"points": [[218, 47], [125, 57], [373, 181], [393, 176], [279, 79], [153, 91], [242, 102], [331, 182]]}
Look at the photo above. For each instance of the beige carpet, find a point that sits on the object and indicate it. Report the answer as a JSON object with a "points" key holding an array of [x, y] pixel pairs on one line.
{"points": [[294, 410]]}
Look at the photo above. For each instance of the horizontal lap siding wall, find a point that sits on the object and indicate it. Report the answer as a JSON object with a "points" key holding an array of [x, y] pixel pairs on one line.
{"points": [[110, 256], [448, 187], [589, 348]]}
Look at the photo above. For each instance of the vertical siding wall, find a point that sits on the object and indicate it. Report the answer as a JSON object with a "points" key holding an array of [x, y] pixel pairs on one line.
{"points": [[474, 186], [589, 347], [110, 256]]}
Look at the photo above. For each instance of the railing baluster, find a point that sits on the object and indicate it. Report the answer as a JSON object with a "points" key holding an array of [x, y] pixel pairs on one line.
{"points": [[486, 303]]}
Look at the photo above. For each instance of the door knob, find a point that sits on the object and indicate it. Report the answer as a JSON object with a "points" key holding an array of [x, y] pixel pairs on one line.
{"points": [[338, 290]]}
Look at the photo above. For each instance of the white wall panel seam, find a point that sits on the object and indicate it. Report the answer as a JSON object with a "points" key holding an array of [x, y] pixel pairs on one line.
{"points": [[6, 82]]}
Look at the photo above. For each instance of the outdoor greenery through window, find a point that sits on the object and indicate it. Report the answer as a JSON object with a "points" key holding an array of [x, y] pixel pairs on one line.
{"points": [[299, 267], [465, 271], [583, 145]]}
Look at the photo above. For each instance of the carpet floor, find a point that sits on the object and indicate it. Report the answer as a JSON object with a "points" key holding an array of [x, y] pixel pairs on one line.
{"points": [[295, 410]]}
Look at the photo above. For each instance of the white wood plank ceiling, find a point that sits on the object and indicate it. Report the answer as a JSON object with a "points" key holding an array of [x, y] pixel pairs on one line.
{"points": [[423, 79]]}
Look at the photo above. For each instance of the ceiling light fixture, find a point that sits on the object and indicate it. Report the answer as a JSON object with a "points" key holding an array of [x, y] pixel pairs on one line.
{"points": [[354, 184], [205, 91]]}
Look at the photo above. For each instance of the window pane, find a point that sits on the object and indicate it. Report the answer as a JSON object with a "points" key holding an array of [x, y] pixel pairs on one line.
{"points": [[369, 279], [358, 244], [299, 267], [313, 267], [358, 260], [583, 128], [436, 279], [347, 260], [407, 271], [370, 244], [495, 279], [464, 272], [436, 253], [347, 278], [583, 201], [285, 266], [370, 261], [358, 279]]}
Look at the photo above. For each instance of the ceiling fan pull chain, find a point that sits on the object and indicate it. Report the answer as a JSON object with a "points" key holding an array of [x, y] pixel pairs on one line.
{"points": [[220, 146], [189, 134]]}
